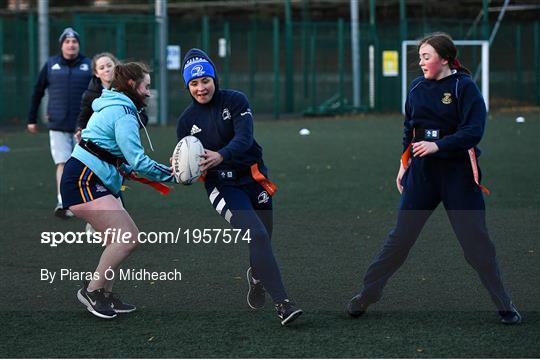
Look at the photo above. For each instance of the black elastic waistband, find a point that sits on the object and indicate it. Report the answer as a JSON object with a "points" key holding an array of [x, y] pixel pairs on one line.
{"points": [[431, 134], [231, 174], [101, 153], [227, 174]]}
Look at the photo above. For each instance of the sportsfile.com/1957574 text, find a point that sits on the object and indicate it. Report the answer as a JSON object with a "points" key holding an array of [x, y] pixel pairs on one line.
{"points": [[113, 235]]}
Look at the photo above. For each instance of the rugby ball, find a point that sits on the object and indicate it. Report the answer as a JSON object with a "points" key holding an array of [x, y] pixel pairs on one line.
{"points": [[185, 160]]}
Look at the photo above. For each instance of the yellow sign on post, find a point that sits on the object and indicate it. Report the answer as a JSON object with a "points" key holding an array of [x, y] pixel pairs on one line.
{"points": [[390, 63]]}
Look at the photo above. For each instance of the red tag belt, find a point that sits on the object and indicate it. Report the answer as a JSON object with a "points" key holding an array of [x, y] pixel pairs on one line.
{"points": [[162, 188], [406, 156]]}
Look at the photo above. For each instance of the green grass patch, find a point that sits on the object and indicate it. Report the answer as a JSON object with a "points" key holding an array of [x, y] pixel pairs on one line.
{"points": [[336, 203]]}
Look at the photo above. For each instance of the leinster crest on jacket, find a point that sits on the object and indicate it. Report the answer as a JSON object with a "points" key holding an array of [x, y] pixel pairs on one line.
{"points": [[226, 114], [447, 98]]}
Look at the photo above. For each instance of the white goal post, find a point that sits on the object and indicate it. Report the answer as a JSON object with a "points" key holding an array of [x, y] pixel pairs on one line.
{"points": [[484, 66]]}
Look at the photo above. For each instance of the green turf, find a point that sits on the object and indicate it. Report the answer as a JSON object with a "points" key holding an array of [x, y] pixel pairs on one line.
{"points": [[336, 203]]}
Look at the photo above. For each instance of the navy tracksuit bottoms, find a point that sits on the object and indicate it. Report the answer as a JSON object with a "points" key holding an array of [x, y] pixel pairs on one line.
{"points": [[427, 182], [249, 207]]}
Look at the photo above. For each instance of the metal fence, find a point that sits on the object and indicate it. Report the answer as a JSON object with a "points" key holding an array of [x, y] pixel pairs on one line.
{"points": [[283, 67]]}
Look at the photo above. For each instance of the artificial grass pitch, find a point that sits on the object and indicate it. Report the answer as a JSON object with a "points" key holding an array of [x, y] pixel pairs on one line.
{"points": [[336, 203]]}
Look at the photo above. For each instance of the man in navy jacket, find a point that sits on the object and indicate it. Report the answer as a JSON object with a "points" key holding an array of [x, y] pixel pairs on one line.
{"points": [[66, 76]]}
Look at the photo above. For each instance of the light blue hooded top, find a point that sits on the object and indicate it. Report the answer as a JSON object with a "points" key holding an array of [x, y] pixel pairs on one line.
{"points": [[114, 126]]}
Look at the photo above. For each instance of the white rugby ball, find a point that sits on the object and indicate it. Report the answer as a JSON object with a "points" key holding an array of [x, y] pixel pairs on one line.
{"points": [[185, 160]]}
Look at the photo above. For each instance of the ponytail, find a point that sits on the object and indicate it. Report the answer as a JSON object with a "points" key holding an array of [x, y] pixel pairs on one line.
{"points": [[456, 65]]}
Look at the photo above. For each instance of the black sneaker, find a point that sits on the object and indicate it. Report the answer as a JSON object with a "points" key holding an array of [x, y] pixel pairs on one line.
{"points": [[96, 302], [287, 312], [511, 317], [256, 294], [119, 306], [62, 213], [357, 306]]}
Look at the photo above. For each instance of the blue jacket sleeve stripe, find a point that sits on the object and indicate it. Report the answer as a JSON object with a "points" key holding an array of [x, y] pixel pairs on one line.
{"points": [[161, 168]]}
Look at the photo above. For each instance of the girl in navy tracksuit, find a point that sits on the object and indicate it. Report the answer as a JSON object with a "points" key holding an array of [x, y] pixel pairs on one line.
{"points": [[445, 117], [235, 174]]}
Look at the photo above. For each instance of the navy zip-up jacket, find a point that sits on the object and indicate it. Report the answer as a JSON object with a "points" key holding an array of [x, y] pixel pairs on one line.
{"points": [[94, 90], [453, 105], [66, 81], [225, 125]]}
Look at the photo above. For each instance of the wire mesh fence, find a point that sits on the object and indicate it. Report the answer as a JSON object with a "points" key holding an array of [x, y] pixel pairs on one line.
{"points": [[294, 72]]}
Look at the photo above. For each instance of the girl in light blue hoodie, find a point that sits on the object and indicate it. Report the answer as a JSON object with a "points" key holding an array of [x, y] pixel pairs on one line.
{"points": [[110, 148]]}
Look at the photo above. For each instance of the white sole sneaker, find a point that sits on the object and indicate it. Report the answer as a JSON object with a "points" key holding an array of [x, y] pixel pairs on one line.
{"points": [[291, 317], [249, 278], [89, 307]]}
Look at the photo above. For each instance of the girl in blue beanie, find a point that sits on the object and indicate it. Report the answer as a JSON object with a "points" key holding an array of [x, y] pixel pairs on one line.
{"points": [[235, 175]]}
